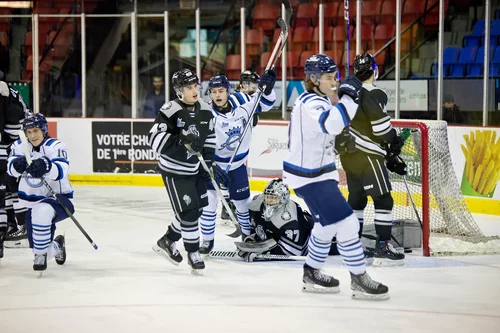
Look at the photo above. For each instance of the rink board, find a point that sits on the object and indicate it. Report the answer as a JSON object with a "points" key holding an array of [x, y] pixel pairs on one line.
{"points": [[116, 152]]}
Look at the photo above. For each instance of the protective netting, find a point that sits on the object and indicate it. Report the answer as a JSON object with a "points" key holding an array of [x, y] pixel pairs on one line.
{"points": [[453, 230]]}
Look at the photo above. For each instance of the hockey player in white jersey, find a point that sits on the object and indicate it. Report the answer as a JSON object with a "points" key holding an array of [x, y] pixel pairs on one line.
{"points": [[231, 114], [50, 162], [310, 170]]}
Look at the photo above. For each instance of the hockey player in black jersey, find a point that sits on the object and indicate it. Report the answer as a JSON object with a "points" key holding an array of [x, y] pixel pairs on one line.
{"points": [[181, 123], [375, 142], [12, 112], [279, 224]]}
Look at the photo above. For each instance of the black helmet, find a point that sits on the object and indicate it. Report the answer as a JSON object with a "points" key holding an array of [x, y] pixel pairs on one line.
{"points": [[365, 66], [249, 76], [183, 78]]}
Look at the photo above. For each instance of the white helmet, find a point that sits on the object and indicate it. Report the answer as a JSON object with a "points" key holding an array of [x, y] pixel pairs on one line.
{"points": [[276, 195]]}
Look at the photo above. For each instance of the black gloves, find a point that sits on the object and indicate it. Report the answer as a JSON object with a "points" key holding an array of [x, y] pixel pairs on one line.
{"points": [[20, 164], [39, 167], [395, 164], [396, 145], [193, 141], [345, 142]]}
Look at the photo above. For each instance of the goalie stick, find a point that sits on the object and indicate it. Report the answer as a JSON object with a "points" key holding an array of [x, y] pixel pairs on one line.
{"points": [[271, 64], [259, 256], [24, 140]]}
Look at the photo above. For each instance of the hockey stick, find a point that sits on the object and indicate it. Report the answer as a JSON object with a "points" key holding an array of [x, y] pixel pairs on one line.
{"points": [[271, 64], [411, 199], [260, 256], [237, 232], [24, 140], [348, 37]]}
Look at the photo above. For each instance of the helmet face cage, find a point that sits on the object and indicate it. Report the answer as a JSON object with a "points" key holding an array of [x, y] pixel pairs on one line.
{"points": [[276, 195], [36, 120], [219, 81], [183, 78]]}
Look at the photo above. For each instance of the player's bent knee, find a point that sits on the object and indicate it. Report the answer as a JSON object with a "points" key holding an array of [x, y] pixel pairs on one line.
{"points": [[357, 201], [348, 229], [383, 202], [189, 217], [43, 213], [324, 232], [242, 205]]}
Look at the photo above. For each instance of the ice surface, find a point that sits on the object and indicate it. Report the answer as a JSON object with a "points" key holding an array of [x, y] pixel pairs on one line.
{"points": [[126, 287]]}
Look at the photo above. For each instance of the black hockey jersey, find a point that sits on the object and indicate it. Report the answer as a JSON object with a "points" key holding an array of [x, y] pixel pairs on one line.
{"points": [[12, 111], [173, 118], [290, 227], [371, 125]]}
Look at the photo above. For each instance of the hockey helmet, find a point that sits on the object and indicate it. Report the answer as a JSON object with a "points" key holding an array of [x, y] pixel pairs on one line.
{"points": [[365, 66], [183, 78], [36, 120], [320, 64], [276, 195], [219, 81]]}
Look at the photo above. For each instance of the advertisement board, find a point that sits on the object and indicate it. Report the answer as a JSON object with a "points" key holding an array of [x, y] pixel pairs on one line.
{"points": [[413, 94]]}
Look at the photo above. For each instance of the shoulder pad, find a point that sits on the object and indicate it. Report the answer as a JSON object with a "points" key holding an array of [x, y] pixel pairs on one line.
{"points": [[52, 142], [237, 99], [204, 106], [371, 87], [317, 103], [256, 202], [170, 108]]}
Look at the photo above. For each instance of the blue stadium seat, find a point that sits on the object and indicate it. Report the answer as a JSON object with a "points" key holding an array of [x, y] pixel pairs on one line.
{"points": [[495, 64], [476, 69], [467, 56], [475, 38], [450, 56], [494, 33]]}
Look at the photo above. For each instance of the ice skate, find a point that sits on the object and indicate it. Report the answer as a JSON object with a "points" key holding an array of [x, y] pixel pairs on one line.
{"points": [[386, 255], [167, 249], [206, 246], [61, 255], [17, 238], [40, 264], [363, 287], [196, 263], [317, 282]]}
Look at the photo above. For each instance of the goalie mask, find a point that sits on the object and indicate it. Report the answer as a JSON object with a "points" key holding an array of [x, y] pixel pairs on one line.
{"points": [[276, 195]]}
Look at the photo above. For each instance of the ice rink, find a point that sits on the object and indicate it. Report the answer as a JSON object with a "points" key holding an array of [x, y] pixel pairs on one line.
{"points": [[126, 287]]}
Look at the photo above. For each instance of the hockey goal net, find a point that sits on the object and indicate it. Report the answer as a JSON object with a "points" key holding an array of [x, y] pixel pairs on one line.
{"points": [[448, 227]]}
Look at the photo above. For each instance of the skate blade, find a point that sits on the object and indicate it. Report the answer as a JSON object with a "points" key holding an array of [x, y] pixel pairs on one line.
{"points": [[197, 272], [39, 274], [382, 262], [314, 288], [163, 254], [356, 294], [19, 244]]}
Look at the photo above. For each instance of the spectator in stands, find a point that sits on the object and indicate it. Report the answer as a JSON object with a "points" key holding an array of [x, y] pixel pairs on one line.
{"points": [[155, 98], [451, 111]]}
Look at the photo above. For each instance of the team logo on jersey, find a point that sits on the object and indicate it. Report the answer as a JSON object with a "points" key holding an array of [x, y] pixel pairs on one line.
{"points": [[260, 232], [166, 106], [224, 124], [193, 130], [286, 215], [32, 181], [187, 199], [180, 123], [233, 137]]}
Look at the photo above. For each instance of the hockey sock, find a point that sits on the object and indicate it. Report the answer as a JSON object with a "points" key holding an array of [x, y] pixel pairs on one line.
{"points": [[353, 255], [243, 215], [190, 236], [42, 215], [360, 215], [317, 251], [21, 217], [383, 224], [174, 230], [208, 216]]}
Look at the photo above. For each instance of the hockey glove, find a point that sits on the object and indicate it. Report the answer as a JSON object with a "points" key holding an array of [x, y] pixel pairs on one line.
{"points": [[221, 177], [350, 87], [396, 145], [20, 164], [255, 120], [345, 143], [193, 141], [267, 81], [39, 167], [396, 164]]}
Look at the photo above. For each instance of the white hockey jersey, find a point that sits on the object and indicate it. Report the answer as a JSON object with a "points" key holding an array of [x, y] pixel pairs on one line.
{"points": [[314, 123], [32, 190], [230, 126]]}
